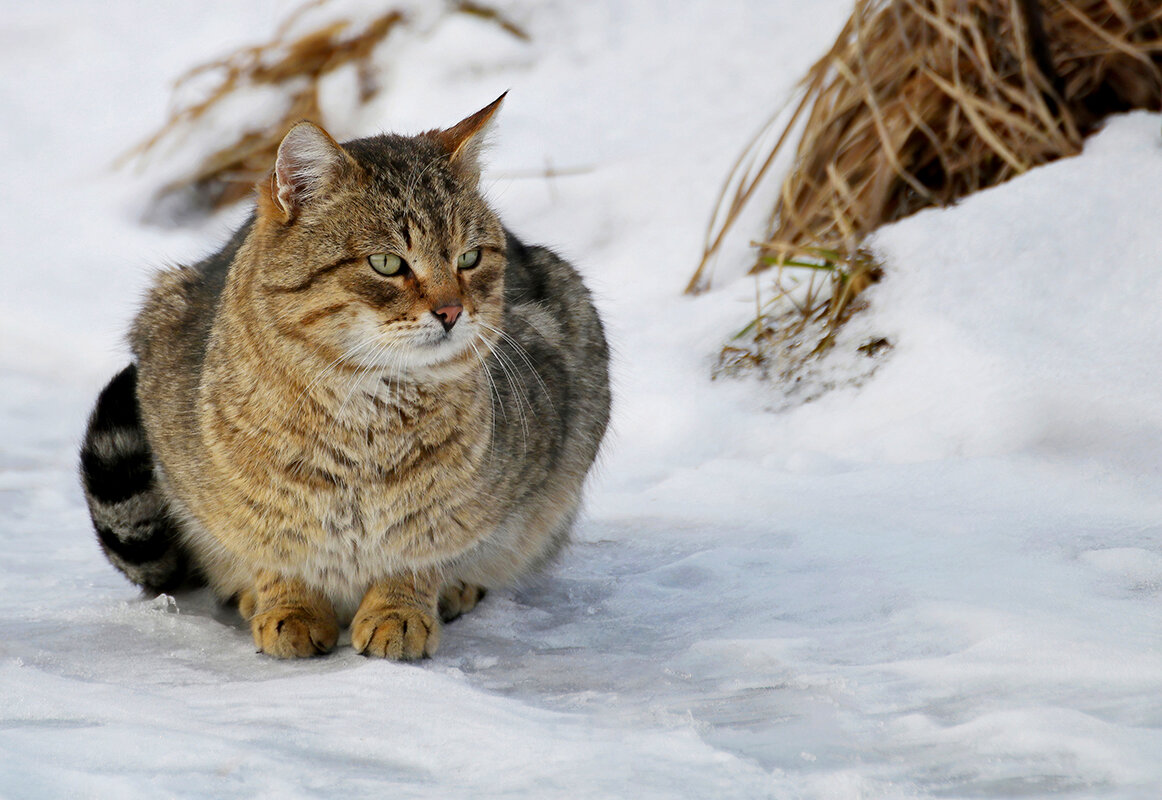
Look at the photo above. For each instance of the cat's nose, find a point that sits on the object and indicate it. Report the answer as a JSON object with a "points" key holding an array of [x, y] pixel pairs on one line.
{"points": [[448, 315]]}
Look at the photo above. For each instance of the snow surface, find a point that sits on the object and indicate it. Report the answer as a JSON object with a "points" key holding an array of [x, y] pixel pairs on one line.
{"points": [[946, 583]]}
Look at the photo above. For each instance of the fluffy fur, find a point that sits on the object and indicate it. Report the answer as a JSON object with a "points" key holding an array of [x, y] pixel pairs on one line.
{"points": [[329, 444]]}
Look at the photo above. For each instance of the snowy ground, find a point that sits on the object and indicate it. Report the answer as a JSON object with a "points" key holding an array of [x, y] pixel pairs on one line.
{"points": [[944, 584]]}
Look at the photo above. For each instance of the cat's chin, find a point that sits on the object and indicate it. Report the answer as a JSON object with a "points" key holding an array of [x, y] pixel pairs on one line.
{"points": [[439, 356], [444, 371], [436, 360]]}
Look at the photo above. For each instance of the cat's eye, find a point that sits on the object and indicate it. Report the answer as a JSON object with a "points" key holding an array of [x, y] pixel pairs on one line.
{"points": [[386, 263], [468, 260]]}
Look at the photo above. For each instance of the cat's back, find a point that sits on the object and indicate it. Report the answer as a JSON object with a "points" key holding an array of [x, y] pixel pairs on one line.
{"points": [[175, 319], [548, 306], [551, 371], [169, 337], [179, 308]]}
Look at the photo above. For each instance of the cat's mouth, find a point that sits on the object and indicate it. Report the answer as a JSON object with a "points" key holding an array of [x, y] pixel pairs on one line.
{"points": [[432, 348], [421, 348], [453, 338]]}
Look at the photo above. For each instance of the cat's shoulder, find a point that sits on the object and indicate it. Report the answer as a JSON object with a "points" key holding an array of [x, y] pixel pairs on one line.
{"points": [[538, 275], [185, 297]]}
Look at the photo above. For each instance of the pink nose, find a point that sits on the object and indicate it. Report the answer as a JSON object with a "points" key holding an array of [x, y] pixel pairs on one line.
{"points": [[448, 315]]}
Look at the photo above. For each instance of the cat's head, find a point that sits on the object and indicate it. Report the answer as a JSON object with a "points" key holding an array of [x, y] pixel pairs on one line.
{"points": [[381, 251]]}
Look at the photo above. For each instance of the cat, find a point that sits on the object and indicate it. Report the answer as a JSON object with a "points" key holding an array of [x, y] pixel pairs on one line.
{"points": [[372, 405]]}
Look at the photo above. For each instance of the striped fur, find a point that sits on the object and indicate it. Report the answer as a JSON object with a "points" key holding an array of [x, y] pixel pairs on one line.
{"points": [[335, 444], [129, 512]]}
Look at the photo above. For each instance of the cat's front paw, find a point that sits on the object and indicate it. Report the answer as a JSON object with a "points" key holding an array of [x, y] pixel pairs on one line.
{"points": [[459, 598], [289, 632], [402, 633]]}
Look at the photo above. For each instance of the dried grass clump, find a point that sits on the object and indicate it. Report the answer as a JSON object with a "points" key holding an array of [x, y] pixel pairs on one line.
{"points": [[799, 322], [294, 65], [917, 104]]}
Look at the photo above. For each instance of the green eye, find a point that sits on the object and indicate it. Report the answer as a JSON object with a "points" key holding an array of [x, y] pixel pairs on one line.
{"points": [[386, 263], [469, 260]]}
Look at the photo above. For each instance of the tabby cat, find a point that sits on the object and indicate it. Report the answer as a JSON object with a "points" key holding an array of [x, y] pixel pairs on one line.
{"points": [[371, 405]]}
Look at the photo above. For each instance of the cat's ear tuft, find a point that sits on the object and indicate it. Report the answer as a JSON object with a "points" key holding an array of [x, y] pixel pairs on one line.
{"points": [[309, 161], [465, 139]]}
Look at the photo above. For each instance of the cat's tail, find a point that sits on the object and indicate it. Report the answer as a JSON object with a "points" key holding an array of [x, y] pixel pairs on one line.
{"points": [[134, 525]]}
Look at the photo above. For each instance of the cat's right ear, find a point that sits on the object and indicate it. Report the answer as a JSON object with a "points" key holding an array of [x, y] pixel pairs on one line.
{"points": [[309, 162]]}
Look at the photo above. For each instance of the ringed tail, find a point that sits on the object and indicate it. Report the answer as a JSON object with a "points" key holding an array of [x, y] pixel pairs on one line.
{"points": [[134, 525]]}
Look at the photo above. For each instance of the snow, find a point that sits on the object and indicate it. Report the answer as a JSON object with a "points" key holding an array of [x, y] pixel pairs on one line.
{"points": [[944, 583]]}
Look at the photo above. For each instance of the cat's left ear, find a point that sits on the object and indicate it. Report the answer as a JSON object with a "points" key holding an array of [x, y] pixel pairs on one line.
{"points": [[465, 139], [309, 162]]}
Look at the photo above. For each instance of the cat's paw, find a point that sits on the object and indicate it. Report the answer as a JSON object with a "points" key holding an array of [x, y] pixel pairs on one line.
{"points": [[401, 633], [459, 598], [289, 632]]}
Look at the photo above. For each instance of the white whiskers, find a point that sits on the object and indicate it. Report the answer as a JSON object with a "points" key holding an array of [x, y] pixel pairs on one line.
{"points": [[524, 355], [493, 398], [512, 378]]}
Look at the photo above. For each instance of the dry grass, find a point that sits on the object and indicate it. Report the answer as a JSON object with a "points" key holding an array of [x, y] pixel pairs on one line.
{"points": [[798, 322], [921, 102], [295, 66]]}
